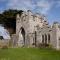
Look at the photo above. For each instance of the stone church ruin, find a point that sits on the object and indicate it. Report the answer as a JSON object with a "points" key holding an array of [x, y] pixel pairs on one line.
{"points": [[34, 29]]}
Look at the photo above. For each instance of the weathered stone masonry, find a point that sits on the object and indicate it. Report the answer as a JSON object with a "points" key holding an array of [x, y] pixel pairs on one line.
{"points": [[33, 29]]}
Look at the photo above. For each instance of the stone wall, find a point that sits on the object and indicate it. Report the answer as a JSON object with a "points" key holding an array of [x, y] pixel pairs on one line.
{"points": [[4, 43], [32, 23]]}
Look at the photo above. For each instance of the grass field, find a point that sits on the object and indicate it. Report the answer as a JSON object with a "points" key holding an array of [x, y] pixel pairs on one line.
{"points": [[29, 54]]}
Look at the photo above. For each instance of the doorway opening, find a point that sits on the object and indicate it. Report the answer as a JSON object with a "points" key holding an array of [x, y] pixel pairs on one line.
{"points": [[23, 34]]}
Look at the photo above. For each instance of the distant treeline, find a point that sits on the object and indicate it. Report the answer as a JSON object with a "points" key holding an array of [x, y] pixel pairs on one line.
{"points": [[8, 18]]}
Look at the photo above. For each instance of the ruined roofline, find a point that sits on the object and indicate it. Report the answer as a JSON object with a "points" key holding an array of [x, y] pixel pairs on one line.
{"points": [[38, 15], [34, 14]]}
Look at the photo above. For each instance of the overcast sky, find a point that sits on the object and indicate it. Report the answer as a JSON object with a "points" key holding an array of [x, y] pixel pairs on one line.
{"points": [[50, 8]]}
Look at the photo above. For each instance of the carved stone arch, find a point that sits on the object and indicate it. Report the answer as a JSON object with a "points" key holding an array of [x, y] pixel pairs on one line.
{"points": [[22, 36]]}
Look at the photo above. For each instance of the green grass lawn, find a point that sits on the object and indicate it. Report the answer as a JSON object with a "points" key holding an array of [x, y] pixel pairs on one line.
{"points": [[29, 54]]}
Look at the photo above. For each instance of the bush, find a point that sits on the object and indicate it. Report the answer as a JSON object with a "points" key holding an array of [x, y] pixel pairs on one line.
{"points": [[43, 45], [5, 47]]}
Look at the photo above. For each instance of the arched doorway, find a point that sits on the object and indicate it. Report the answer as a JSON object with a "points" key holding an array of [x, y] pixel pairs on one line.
{"points": [[21, 41], [23, 34]]}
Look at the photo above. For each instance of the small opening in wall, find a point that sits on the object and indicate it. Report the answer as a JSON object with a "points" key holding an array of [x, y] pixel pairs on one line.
{"points": [[50, 30], [45, 21], [1, 37], [48, 27], [24, 20], [59, 38], [46, 24]]}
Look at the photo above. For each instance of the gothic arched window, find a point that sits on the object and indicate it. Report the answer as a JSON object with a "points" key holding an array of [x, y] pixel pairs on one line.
{"points": [[42, 38], [48, 38], [45, 39]]}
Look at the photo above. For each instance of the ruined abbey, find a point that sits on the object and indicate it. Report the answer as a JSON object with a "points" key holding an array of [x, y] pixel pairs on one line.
{"points": [[34, 29]]}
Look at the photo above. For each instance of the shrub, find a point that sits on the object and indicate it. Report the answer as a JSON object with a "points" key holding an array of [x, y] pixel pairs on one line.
{"points": [[5, 47], [43, 45]]}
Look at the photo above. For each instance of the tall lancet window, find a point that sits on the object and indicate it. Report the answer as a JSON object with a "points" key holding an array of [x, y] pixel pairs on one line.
{"points": [[42, 38], [45, 39], [48, 38]]}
